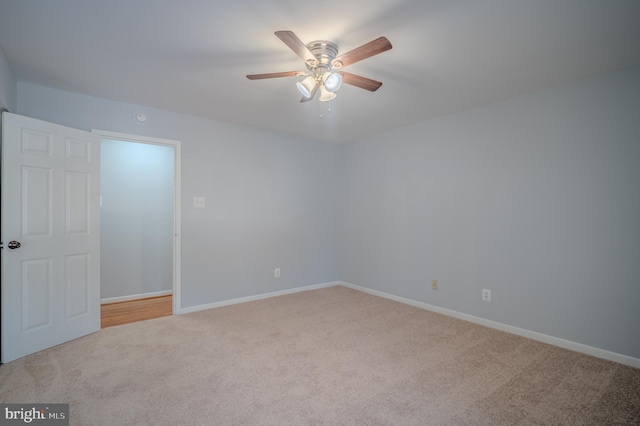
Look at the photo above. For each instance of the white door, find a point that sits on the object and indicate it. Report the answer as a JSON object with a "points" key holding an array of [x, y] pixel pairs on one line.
{"points": [[50, 208]]}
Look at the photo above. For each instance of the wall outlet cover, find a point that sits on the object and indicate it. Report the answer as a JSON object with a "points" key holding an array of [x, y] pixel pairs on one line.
{"points": [[486, 295], [198, 203]]}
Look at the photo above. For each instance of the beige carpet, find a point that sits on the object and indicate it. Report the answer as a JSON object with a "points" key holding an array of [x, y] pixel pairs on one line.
{"points": [[333, 356]]}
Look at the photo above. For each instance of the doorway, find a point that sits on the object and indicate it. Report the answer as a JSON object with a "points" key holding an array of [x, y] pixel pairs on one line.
{"points": [[140, 209], [50, 208]]}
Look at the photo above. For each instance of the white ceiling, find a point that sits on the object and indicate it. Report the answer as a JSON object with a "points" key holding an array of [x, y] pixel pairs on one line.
{"points": [[192, 56]]}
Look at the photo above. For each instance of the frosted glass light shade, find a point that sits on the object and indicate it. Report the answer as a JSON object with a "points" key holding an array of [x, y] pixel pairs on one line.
{"points": [[332, 81], [306, 86], [326, 95]]}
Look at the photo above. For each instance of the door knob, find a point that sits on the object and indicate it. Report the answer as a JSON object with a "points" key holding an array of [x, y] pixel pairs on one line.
{"points": [[13, 245]]}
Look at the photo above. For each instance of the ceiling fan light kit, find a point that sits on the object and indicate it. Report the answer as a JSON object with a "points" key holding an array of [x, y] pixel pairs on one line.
{"points": [[326, 95], [322, 62], [307, 85], [332, 81]]}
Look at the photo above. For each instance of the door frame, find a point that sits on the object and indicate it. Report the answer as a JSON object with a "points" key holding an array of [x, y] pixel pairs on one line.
{"points": [[104, 134]]}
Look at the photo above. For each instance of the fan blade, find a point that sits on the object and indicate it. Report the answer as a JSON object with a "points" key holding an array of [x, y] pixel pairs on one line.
{"points": [[365, 51], [361, 82], [292, 40], [275, 75], [311, 95]]}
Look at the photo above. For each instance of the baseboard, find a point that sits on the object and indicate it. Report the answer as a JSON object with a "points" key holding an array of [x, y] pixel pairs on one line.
{"points": [[135, 297], [556, 341], [252, 298]]}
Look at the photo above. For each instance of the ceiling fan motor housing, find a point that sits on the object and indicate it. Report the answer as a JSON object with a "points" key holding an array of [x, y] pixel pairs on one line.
{"points": [[325, 52]]}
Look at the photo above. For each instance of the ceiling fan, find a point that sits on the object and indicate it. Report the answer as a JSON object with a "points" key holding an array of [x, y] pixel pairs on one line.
{"points": [[324, 66]]}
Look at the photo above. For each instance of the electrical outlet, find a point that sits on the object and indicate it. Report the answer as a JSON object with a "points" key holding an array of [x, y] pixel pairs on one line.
{"points": [[486, 295], [434, 284], [198, 203], [276, 273]]}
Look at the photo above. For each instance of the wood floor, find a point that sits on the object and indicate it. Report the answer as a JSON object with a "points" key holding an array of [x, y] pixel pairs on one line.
{"points": [[135, 310]]}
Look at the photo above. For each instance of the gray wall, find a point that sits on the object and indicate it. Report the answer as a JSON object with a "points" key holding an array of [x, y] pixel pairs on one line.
{"points": [[536, 198], [136, 218], [8, 87], [270, 198]]}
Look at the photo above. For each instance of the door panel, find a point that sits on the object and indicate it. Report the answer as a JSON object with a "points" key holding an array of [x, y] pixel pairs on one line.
{"points": [[36, 215], [36, 294], [77, 211], [50, 204], [78, 281]]}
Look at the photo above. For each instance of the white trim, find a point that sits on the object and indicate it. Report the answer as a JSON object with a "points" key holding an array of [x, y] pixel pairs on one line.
{"points": [[105, 134], [119, 299], [556, 341], [177, 243], [256, 297]]}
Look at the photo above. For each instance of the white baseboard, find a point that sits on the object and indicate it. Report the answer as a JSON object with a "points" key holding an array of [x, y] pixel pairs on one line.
{"points": [[256, 297], [556, 341], [135, 296]]}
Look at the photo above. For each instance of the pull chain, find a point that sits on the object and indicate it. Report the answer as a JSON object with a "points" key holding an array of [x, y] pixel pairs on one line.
{"points": [[322, 109]]}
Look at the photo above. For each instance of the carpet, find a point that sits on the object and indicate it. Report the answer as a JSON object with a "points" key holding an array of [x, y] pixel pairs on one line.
{"points": [[333, 356]]}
